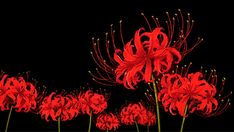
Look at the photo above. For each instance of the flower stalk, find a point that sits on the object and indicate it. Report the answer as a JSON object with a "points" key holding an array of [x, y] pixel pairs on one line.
{"points": [[90, 119], [182, 124], [8, 119], [157, 105]]}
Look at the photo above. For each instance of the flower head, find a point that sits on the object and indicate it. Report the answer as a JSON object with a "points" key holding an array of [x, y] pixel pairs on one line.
{"points": [[149, 118], [59, 106], [192, 90], [90, 101], [148, 52], [107, 122], [133, 113], [17, 93]]}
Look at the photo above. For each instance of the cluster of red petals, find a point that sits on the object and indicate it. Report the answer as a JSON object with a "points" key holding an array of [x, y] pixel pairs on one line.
{"points": [[92, 102], [17, 93], [146, 53], [150, 119], [107, 122], [137, 113], [149, 52], [194, 91], [59, 106]]}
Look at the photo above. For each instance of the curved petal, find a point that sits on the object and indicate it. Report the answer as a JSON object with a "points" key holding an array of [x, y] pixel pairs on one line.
{"points": [[148, 71]]}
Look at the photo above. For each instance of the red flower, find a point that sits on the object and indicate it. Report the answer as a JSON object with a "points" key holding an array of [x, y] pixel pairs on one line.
{"points": [[25, 94], [149, 119], [47, 107], [147, 53], [151, 55], [63, 107], [169, 94], [90, 101], [5, 93], [133, 113], [194, 89], [107, 122], [191, 90], [74, 109], [17, 93], [58, 106], [208, 102]]}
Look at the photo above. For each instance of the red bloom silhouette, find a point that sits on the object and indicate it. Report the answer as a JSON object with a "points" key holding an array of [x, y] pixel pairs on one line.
{"points": [[58, 106], [193, 91], [74, 108], [151, 55], [90, 101], [107, 122], [149, 119], [133, 113], [17, 93], [47, 107], [147, 53], [5, 93], [25, 94]]}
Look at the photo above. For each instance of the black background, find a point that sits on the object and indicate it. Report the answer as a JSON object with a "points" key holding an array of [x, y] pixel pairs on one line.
{"points": [[53, 41]]}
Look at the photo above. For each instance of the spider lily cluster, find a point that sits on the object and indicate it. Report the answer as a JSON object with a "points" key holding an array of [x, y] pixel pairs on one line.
{"points": [[150, 56]]}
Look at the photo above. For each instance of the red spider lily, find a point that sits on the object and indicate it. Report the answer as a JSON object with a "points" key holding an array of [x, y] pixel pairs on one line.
{"points": [[5, 93], [133, 113], [47, 107], [17, 93], [74, 109], [137, 66], [192, 91], [25, 94], [146, 53], [149, 119], [58, 106], [223, 102], [90, 101], [107, 122]]}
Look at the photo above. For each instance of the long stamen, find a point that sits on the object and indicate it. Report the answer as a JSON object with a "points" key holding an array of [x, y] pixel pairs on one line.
{"points": [[156, 21], [182, 21], [99, 55], [147, 21], [112, 33], [186, 73], [170, 26], [121, 33], [99, 63]]}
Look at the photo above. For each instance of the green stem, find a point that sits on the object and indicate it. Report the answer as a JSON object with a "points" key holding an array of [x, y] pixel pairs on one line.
{"points": [[182, 124], [90, 118], [8, 119], [106, 130], [136, 126], [157, 105], [59, 124], [147, 128]]}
